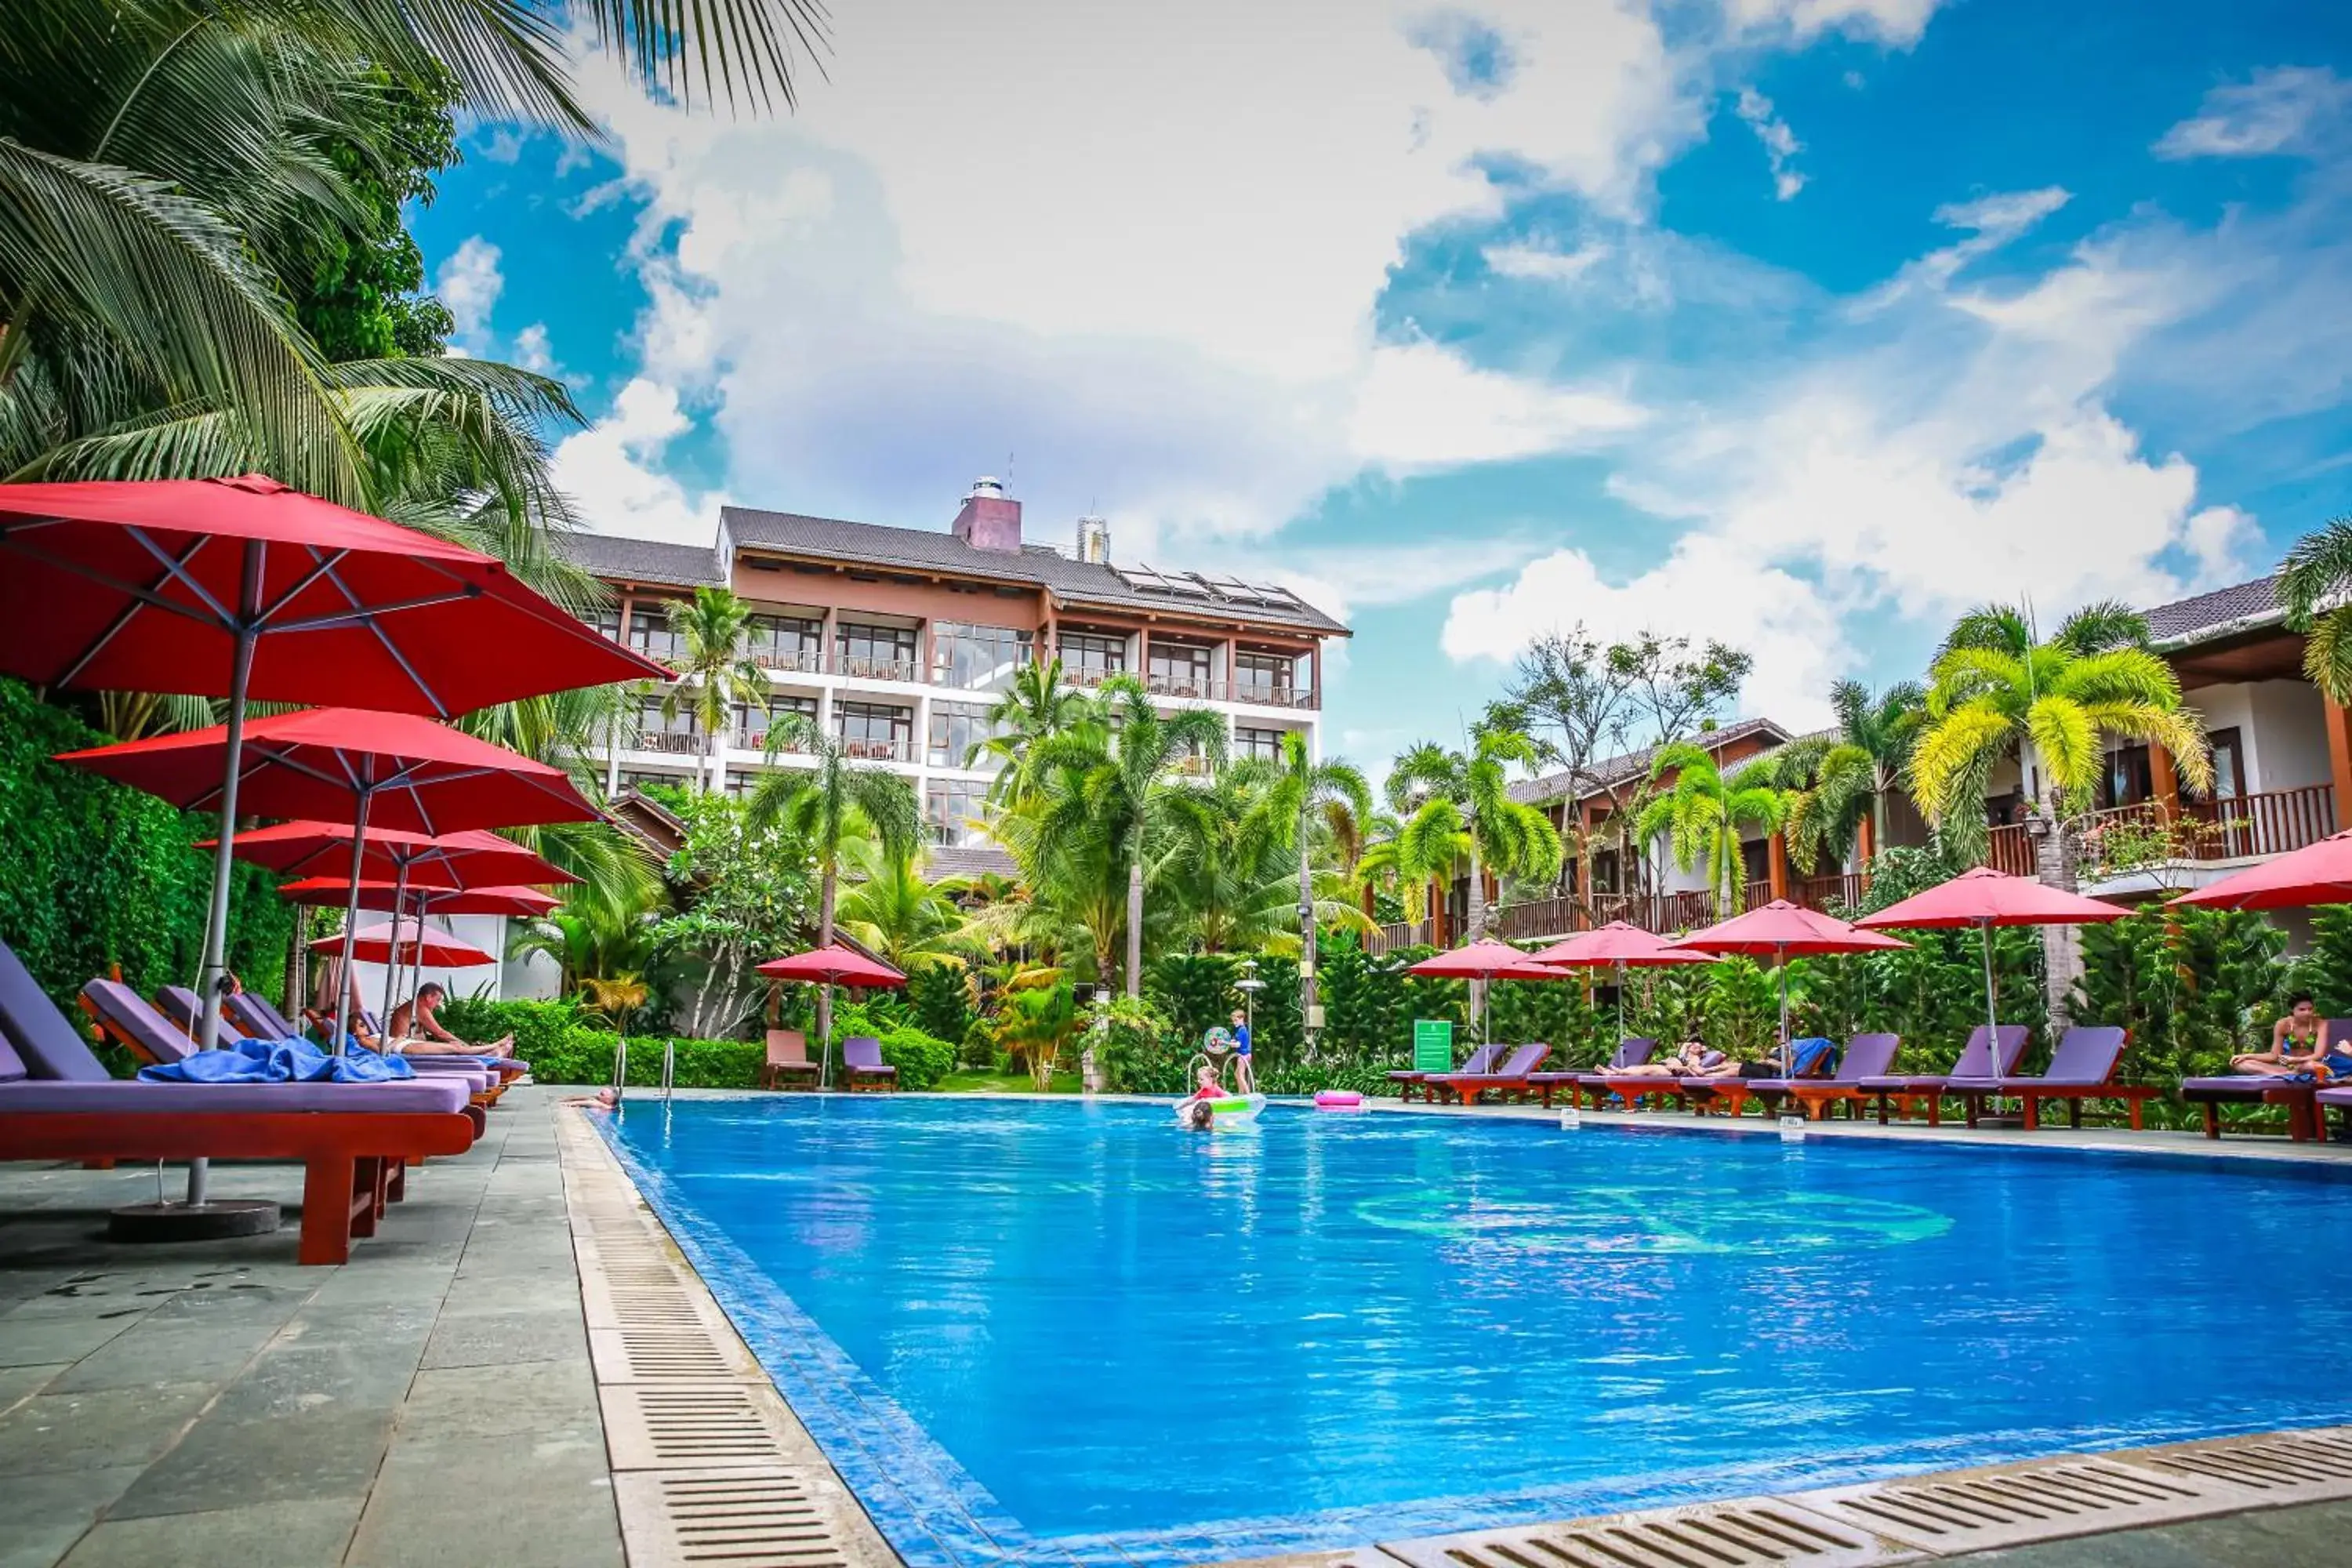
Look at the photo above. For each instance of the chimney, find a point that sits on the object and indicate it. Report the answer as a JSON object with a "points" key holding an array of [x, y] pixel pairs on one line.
{"points": [[988, 520], [1094, 541]]}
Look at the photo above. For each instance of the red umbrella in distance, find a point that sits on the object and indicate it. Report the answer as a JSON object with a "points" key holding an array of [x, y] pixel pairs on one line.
{"points": [[1485, 959], [409, 773], [1618, 944], [400, 941], [831, 965], [517, 903], [2318, 873], [1784, 931], [1985, 897]]}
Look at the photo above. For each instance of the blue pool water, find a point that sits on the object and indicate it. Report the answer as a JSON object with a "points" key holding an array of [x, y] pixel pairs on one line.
{"points": [[1072, 1331]]}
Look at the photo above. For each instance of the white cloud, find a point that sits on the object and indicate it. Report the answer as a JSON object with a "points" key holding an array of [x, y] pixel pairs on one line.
{"points": [[611, 471], [531, 351], [469, 283], [1705, 587], [1989, 222], [1896, 22], [2286, 109], [1780, 144], [1542, 263], [503, 145], [1423, 407]]}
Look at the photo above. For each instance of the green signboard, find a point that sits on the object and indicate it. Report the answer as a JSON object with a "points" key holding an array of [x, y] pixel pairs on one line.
{"points": [[1432, 1044]]}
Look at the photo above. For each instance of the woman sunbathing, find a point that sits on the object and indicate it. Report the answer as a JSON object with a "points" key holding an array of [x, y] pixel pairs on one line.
{"points": [[1692, 1058], [2301, 1027]]}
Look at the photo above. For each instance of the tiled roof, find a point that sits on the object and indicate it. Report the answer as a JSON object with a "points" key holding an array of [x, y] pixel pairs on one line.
{"points": [[1078, 582], [968, 860], [2192, 620], [645, 560], [1634, 764]]}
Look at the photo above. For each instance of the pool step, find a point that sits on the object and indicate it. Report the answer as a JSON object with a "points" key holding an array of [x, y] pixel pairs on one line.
{"points": [[710, 1466], [1765, 1533]]}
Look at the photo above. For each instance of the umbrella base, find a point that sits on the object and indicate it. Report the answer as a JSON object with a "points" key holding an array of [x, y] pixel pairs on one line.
{"points": [[141, 1224]]}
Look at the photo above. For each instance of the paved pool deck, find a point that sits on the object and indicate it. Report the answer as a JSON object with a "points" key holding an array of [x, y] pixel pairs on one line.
{"points": [[435, 1402]]}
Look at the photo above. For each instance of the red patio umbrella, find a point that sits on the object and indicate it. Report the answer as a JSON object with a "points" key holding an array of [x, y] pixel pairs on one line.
{"points": [[451, 860], [1985, 897], [410, 773], [1624, 946], [1485, 959], [1784, 931], [400, 941], [831, 965], [2317, 873], [517, 903]]}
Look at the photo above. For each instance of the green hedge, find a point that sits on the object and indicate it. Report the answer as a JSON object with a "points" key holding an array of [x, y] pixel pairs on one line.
{"points": [[94, 874], [563, 1047]]}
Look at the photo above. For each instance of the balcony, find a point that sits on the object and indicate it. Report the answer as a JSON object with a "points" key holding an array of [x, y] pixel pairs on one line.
{"points": [[1262, 694], [787, 745], [674, 743], [1086, 677], [876, 669], [1185, 687], [1550, 919], [1401, 933], [869, 748], [787, 661]]}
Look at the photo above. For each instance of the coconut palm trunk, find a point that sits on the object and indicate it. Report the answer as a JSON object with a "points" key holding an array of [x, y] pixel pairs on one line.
{"points": [[824, 990], [1306, 925], [1135, 923]]}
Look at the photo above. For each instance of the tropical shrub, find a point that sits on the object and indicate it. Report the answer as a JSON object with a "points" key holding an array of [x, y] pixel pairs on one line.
{"points": [[1137, 1050], [921, 1059], [2193, 986], [1036, 1017], [94, 874], [940, 998], [1742, 1010], [1194, 991]]}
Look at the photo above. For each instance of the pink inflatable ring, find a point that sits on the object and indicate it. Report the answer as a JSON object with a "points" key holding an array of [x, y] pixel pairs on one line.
{"points": [[1339, 1099]]}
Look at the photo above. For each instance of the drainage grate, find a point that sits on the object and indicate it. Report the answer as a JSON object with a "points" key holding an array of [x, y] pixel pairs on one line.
{"points": [[1974, 1509], [1763, 1534], [743, 1517], [2280, 1467], [694, 1426]]}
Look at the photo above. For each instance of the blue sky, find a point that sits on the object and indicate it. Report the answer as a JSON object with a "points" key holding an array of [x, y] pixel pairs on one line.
{"points": [[1801, 323]]}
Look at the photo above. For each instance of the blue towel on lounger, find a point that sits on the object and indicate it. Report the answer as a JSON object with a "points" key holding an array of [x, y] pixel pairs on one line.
{"points": [[1811, 1058], [278, 1061]]}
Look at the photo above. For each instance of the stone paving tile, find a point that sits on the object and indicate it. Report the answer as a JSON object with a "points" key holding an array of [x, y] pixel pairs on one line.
{"points": [[2316, 1536], [332, 1452], [507, 1338], [108, 1427], [48, 1512], [472, 1402], [296, 1534], [554, 1505], [150, 1352], [23, 1381], [45, 1340]]}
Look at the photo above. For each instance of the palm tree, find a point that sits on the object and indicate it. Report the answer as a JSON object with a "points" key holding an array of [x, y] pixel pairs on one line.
{"points": [[1467, 794], [1107, 795], [1840, 802], [897, 915], [715, 667], [1702, 813], [2315, 586], [825, 806], [1300, 790], [1035, 708], [1995, 694]]}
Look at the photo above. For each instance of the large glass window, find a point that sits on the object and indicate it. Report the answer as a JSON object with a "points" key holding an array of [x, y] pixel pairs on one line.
{"points": [[874, 732], [787, 642], [951, 810], [673, 733], [1249, 743], [956, 728], [649, 632], [1087, 657], [753, 723], [1277, 677], [606, 623], [1178, 669], [885, 653], [976, 658], [639, 780]]}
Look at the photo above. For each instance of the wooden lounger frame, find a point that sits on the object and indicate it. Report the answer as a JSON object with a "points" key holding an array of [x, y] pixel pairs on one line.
{"points": [[353, 1162]]}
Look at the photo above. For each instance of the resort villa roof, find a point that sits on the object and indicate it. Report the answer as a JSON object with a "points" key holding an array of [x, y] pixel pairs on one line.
{"points": [[2242, 607], [1609, 772]]}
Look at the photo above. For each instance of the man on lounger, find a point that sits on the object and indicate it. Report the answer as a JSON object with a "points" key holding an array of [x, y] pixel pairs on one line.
{"points": [[2295, 1043], [417, 1033], [1696, 1058]]}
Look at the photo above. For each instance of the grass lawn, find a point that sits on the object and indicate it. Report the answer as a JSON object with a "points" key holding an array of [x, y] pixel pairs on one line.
{"points": [[1002, 1083]]}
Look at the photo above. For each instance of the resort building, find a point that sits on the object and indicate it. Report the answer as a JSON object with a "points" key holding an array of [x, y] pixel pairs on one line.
{"points": [[897, 640], [2283, 779]]}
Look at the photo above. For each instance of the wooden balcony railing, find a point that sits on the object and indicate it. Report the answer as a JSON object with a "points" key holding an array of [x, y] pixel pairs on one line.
{"points": [[1401, 933], [2011, 848], [1831, 894], [2271, 823]]}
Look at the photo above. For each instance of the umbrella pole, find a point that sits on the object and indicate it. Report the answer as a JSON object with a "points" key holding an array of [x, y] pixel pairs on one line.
{"points": [[1781, 955], [345, 981], [1992, 1008], [1620, 1001], [209, 988], [417, 975], [824, 1061], [391, 960]]}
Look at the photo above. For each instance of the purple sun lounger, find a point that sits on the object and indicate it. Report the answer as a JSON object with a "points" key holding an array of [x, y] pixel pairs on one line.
{"points": [[258, 1019], [1631, 1052], [2339, 1098], [2083, 1067], [1978, 1060], [1511, 1077], [2304, 1115], [862, 1063], [178, 1004], [1480, 1060]]}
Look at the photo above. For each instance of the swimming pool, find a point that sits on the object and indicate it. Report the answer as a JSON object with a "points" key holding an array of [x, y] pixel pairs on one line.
{"points": [[1069, 1330]]}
